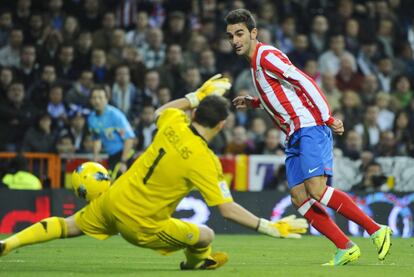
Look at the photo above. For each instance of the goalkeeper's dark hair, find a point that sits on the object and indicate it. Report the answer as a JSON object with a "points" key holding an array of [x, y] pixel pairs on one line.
{"points": [[212, 110], [241, 16]]}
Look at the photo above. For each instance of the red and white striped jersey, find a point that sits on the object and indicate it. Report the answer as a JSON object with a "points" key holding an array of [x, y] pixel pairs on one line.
{"points": [[291, 98]]}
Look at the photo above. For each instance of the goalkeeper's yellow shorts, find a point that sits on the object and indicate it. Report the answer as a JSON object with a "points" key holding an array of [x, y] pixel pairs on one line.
{"points": [[96, 221]]}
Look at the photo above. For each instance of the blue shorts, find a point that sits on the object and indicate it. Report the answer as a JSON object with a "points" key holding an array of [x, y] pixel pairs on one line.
{"points": [[309, 154]]}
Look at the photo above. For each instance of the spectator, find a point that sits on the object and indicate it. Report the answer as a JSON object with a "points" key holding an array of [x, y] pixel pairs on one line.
{"points": [[348, 77], [72, 138], [286, 34], [219, 143], [196, 44], [17, 176], [153, 51], [117, 44], [300, 52], [111, 130], [16, 117], [146, 128], [385, 35], [152, 82], [56, 107], [39, 91], [137, 37], [311, 68], [329, 61], [10, 54], [352, 32], [124, 94], [331, 91], [369, 89], [404, 60], [35, 34], [83, 51], [90, 16], [175, 31], [192, 80], [79, 94], [28, 70], [367, 55], [385, 116], [257, 130], [65, 69], [351, 109], [50, 48], [403, 134], [22, 13], [70, 30], [6, 78], [387, 145], [102, 37], [207, 64], [40, 137], [402, 92], [56, 14], [318, 36], [173, 66], [385, 73], [100, 68], [6, 24], [164, 95], [369, 129], [133, 59], [372, 180], [271, 144], [353, 146], [239, 144]]}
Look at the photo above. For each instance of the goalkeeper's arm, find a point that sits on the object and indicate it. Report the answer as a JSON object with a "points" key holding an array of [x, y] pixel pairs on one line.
{"points": [[288, 227], [215, 85]]}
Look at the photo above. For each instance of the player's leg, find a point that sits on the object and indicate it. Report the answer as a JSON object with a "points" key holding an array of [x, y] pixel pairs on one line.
{"points": [[317, 163], [200, 256], [176, 235], [343, 204], [318, 217], [45, 230]]}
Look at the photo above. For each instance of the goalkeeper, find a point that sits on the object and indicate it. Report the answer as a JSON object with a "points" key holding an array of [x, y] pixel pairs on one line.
{"points": [[140, 203]]}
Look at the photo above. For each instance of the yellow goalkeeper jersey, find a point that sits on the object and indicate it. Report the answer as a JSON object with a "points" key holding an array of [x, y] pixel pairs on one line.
{"points": [[177, 161]]}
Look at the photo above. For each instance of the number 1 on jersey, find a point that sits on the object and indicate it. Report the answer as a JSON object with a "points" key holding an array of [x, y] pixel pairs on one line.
{"points": [[161, 153]]}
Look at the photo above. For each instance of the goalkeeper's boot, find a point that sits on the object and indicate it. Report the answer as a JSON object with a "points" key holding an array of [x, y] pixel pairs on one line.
{"points": [[345, 256], [214, 261], [382, 241]]}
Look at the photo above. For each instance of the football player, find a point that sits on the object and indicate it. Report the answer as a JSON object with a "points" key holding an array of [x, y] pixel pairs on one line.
{"points": [[140, 203]]}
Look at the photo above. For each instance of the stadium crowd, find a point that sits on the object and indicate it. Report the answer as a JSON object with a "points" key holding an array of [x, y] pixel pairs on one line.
{"points": [[151, 51]]}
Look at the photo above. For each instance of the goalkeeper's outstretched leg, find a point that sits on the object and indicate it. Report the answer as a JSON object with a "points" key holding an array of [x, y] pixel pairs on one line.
{"points": [[45, 230]]}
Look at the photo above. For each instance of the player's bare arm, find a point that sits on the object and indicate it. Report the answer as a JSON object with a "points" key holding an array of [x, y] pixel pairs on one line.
{"points": [[288, 227]]}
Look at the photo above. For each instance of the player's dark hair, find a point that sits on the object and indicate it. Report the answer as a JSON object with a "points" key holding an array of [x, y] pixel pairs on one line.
{"points": [[241, 16], [99, 87], [212, 110]]}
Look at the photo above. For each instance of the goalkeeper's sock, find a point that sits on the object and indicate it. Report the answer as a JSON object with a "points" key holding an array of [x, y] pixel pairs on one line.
{"points": [[195, 257], [343, 204], [317, 216], [45, 230]]}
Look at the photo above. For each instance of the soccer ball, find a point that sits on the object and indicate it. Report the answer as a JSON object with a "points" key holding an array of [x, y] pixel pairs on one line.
{"points": [[90, 180]]}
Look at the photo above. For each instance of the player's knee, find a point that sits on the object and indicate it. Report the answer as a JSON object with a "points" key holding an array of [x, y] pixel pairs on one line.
{"points": [[72, 229], [206, 236], [316, 187]]}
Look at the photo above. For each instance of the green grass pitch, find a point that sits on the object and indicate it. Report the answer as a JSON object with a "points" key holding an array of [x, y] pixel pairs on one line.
{"points": [[250, 255]]}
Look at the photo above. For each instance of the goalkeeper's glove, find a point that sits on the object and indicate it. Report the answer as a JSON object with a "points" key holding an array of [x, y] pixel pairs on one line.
{"points": [[287, 227], [215, 85]]}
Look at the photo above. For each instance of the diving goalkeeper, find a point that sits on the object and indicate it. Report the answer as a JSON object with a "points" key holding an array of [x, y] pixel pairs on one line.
{"points": [[140, 203]]}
